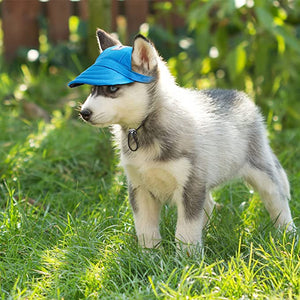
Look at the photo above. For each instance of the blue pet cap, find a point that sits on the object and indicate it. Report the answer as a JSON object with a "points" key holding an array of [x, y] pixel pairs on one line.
{"points": [[112, 67]]}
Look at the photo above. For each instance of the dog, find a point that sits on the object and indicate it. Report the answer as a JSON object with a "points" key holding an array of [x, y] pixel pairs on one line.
{"points": [[178, 144]]}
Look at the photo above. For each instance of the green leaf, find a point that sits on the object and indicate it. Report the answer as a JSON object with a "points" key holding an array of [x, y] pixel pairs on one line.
{"points": [[289, 38], [265, 18], [236, 60]]}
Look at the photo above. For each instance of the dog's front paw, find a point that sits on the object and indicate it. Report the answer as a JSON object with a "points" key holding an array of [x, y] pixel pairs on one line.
{"points": [[190, 249], [149, 241]]}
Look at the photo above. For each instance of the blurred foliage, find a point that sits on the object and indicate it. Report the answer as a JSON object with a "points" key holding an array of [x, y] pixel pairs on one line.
{"points": [[41, 76], [244, 44]]}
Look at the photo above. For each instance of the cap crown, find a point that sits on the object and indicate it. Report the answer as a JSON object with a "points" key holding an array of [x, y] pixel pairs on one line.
{"points": [[112, 67]]}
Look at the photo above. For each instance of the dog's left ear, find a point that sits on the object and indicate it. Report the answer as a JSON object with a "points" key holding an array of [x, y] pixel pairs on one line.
{"points": [[144, 56], [105, 40]]}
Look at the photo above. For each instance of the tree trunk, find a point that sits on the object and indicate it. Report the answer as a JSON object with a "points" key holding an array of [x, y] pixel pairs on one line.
{"points": [[99, 17], [136, 13], [20, 25], [59, 12]]}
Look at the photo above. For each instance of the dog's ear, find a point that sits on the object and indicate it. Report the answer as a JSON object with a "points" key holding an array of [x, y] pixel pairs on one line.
{"points": [[105, 40], [144, 56]]}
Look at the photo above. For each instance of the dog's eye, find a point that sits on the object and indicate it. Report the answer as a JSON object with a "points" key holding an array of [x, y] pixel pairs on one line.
{"points": [[112, 88]]}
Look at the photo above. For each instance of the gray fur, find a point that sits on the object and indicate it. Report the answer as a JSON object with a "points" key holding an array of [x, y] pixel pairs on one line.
{"points": [[152, 131], [255, 155], [103, 91], [193, 197], [132, 197]]}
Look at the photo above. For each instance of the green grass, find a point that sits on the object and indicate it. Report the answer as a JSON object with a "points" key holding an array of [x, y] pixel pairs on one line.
{"points": [[67, 231]]}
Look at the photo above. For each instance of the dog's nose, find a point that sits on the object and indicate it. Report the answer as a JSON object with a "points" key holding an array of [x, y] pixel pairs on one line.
{"points": [[86, 114]]}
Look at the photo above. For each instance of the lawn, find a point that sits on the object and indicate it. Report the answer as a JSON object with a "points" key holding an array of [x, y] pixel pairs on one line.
{"points": [[67, 230]]}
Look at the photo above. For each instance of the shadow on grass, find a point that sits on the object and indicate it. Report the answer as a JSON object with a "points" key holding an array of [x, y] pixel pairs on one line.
{"points": [[55, 178]]}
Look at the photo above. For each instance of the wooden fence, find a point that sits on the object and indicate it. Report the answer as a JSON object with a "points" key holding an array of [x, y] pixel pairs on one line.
{"points": [[21, 19]]}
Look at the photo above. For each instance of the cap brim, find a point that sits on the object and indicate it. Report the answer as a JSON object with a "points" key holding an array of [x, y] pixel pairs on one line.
{"points": [[99, 75]]}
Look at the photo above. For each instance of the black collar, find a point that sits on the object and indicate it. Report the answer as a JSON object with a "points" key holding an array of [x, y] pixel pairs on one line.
{"points": [[132, 137]]}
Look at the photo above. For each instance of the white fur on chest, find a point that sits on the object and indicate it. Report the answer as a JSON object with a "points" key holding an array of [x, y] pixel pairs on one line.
{"points": [[161, 179]]}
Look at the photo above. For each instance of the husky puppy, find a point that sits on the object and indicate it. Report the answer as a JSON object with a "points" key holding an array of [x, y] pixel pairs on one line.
{"points": [[178, 144]]}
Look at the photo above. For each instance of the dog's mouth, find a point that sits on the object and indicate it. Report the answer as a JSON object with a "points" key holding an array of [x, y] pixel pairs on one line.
{"points": [[95, 120], [100, 125]]}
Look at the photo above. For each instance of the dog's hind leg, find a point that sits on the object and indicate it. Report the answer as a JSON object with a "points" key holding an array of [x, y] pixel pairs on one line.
{"points": [[271, 182], [264, 172]]}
